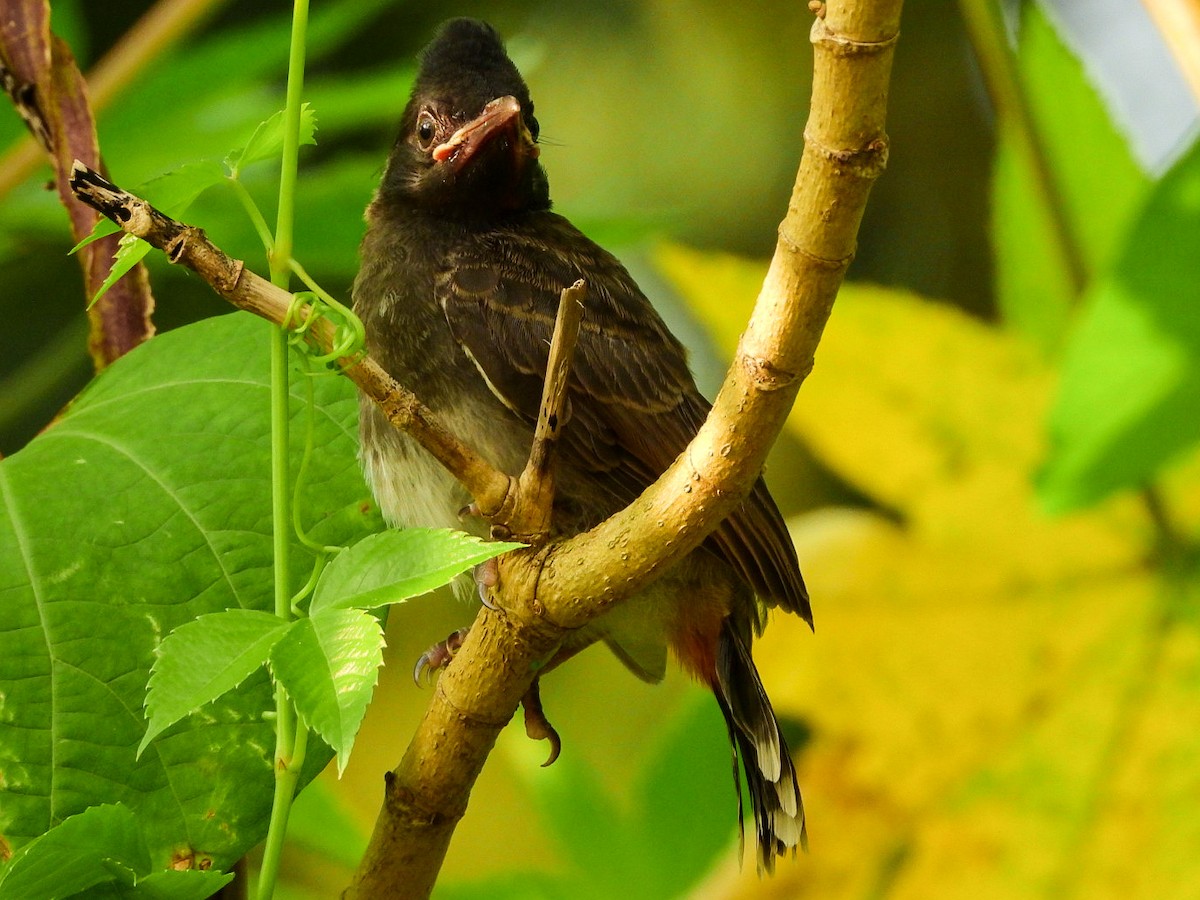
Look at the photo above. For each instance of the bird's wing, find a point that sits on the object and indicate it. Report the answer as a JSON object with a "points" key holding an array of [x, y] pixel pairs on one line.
{"points": [[633, 406]]}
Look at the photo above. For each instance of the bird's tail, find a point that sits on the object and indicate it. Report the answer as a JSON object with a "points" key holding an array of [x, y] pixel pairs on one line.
{"points": [[755, 737]]}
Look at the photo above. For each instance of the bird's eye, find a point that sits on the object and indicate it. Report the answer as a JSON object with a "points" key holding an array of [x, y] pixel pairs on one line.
{"points": [[425, 131]]}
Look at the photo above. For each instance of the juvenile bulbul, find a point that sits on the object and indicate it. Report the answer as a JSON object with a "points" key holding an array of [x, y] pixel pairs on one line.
{"points": [[462, 266]]}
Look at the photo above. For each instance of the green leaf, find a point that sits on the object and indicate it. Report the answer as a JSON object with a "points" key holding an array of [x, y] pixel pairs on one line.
{"points": [[692, 762], [130, 252], [267, 140], [100, 844], [1130, 385], [201, 660], [147, 505], [591, 830], [1099, 181], [328, 664], [174, 191], [394, 566], [324, 827], [524, 885], [185, 884]]}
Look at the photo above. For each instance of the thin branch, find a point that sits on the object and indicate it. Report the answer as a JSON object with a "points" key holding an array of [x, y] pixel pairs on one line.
{"points": [[191, 248], [534, 498]]}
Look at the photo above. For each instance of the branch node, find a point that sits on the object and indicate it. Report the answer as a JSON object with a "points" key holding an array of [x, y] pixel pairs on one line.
{"points": [[765, 375], [866, 162], [176, 247], [794, 249], [841, 45], [465, 716]]}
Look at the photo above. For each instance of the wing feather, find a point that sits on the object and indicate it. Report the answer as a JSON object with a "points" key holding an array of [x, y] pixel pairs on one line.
{"points": [[633, 406]]}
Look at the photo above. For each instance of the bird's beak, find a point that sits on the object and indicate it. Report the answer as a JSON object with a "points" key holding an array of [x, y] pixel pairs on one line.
{"points": [[502, 116]]}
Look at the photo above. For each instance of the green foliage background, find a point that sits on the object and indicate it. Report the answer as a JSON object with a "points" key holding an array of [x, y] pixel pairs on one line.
{"points": [[997, 702]]}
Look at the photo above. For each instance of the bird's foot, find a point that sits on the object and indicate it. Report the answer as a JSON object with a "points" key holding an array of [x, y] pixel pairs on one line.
{"points": [[439, 655], [537, 726]]}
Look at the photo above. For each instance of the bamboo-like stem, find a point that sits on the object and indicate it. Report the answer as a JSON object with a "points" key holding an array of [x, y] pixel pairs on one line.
{"points": [[845, 150], [546, 591]]}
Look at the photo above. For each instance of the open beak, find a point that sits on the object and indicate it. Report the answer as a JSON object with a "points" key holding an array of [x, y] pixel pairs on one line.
{"points": [[500, 117]]}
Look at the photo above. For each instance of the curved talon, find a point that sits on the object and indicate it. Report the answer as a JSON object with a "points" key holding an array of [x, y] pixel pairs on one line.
{"points": [[537, 726], [423, 662], [487, 576], [439, 655]]}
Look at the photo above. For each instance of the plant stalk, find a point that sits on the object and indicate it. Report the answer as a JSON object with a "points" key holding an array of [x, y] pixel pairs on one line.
{"points": [[291, 737]]}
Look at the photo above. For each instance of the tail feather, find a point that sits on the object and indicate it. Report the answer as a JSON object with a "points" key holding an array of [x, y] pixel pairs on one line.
{"points": [[754, 736]]}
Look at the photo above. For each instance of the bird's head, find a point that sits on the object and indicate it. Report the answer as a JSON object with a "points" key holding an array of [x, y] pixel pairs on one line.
{"points": [[468, 137]]}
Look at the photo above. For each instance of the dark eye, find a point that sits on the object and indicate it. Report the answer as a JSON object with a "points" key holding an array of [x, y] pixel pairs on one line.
{"points": [[533, 126], [425, 130]]}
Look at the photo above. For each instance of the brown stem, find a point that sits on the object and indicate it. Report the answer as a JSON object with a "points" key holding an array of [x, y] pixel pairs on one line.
{"points": [[49, 92], [845, 150], [151, 35], [534, 498], [546, 591], [191, 248]]}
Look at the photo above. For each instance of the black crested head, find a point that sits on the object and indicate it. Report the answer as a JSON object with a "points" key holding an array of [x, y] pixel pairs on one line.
{"points": [[467, 63], [468, 137]]}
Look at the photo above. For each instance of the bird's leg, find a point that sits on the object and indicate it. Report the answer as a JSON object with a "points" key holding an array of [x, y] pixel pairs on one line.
{"points": [[537, 726], [439, 655]]}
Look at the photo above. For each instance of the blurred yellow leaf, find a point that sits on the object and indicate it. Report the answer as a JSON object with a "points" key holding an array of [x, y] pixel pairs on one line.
{"points": [[1003, 704]]}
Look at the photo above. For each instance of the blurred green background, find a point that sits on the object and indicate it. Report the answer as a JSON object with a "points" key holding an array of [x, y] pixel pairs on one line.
{"points": [[991, 705], [660, 119]]}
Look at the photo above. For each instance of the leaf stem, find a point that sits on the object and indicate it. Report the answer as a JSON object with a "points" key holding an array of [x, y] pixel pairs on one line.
{"points": [[287, 776], [989, 38], [290, 737], [261, 228], [284, 224]]}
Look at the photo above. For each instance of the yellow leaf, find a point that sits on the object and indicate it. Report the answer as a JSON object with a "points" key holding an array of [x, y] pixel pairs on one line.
{"points": [[1002, 704], [927, 411]]}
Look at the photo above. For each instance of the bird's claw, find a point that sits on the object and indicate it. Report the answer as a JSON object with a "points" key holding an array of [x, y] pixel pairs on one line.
{"points": [[487, 576], [537, 726], [439, 655]]}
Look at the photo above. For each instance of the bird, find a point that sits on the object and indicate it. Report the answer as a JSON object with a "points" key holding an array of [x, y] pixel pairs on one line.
{"points": [[461, 268]]}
